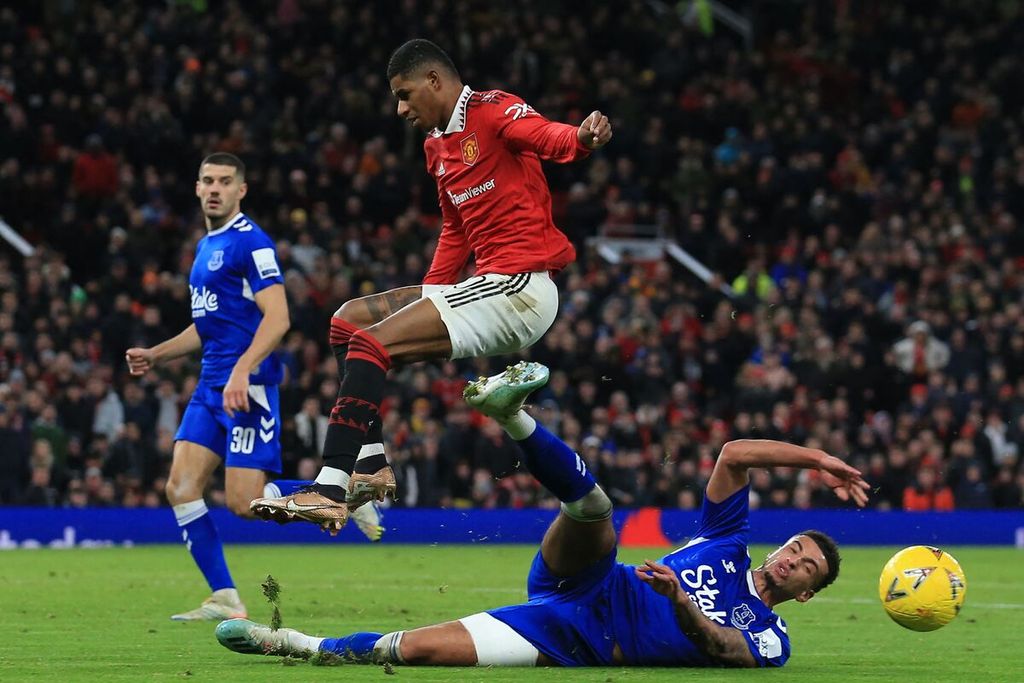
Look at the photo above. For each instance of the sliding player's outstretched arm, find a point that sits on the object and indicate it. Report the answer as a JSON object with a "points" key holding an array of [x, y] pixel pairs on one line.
{"points": [[723, 644], [142, 360], [737, 457]]}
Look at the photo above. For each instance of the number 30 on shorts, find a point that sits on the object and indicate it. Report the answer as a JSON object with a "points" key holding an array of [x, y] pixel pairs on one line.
{"points": [[243, 439]]}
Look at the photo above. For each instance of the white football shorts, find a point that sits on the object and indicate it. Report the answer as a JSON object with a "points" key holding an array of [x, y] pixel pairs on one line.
{"points": [[490, 315], [497, 644]]}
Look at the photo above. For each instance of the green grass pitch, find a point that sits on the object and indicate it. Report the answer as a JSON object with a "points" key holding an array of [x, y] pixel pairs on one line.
{"points": [[102, 615]]}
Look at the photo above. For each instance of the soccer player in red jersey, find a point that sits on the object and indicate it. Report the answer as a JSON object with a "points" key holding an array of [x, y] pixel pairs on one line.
{"points": [[484, 149]]}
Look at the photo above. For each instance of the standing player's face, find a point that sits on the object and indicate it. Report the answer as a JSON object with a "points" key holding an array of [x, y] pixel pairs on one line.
{"points": [[417, 99], [796, 568], [220, 191]]}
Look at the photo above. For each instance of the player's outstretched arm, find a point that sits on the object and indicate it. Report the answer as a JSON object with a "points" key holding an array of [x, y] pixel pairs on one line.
{"points": [[142, 360], [273, 303], [737, 457], [526, 130], [723, 644]]}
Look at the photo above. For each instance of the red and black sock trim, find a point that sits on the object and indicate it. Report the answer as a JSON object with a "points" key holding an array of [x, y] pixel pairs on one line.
{"points": [[364, 346], [341, 332]]}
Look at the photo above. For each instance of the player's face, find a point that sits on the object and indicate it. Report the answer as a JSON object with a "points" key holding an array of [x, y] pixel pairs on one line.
{"points": [[418, 100], [220, 191], [796, 568]]}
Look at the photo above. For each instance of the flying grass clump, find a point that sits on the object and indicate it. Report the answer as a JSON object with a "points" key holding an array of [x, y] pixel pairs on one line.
{"points": [[272, 592]]}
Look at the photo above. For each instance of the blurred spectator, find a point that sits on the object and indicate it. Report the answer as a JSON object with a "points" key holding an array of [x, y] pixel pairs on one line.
{"points": [[973, 492], [39, 492], [927, 493], [14, 457], [311, 426], [850, 191], [919, 352], [95, 172]]}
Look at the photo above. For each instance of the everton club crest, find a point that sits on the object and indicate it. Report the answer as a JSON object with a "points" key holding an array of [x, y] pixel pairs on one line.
{"points": [[216, 260]]}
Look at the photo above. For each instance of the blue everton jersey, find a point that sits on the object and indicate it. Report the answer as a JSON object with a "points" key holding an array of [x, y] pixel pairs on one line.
{"points": [[232, 264], [714, 569]]}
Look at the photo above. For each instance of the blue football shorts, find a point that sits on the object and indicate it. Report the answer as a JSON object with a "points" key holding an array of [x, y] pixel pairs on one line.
{"points": [[570, 619], [251, 439]]}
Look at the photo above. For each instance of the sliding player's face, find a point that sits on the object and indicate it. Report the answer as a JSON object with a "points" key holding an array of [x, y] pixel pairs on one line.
{"points": [[220, 191], [796, 568], [419, 100]]}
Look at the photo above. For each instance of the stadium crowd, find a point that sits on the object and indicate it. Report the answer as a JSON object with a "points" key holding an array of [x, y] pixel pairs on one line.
{"points": [[862, 198]]}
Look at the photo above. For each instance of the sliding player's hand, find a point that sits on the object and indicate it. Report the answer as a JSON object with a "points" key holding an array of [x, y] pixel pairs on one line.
{"points": [[595, 131], [845, 481], [139, 360], [662, 579], [236, 393]]}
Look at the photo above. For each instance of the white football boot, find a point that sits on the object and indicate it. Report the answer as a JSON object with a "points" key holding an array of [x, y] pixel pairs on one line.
{"points": [[370, 520], [250, 638], [501, 396], [214, 608]]}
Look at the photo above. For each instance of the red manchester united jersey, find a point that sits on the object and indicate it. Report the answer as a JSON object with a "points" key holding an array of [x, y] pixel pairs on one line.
{"points": [[494, 197]]}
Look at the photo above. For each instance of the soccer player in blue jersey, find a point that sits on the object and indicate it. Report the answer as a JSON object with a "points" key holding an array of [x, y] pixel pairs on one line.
{"points": [[701, 605], [239, 314]]}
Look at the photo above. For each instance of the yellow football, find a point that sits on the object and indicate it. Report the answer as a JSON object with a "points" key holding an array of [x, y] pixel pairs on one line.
{"points": [[922, 588]]}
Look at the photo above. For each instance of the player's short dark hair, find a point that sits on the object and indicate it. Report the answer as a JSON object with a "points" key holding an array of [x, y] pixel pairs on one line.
{"points": [[225, 159], [831, 552], [417, 54]]}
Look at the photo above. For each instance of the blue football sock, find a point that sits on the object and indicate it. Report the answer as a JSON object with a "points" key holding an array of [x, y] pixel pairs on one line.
{"points": [[357, 647], [556, 466], [201, 538], [284, 487]]}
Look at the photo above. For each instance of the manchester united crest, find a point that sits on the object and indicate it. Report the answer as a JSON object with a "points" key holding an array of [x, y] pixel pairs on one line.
{"points": [[470, 150]]}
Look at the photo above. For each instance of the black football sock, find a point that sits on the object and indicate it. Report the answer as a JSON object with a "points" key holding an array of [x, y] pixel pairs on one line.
{"points": [[358, 404]]}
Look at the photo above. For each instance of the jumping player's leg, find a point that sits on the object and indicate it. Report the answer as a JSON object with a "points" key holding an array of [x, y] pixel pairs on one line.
{"points": [[399, 333], [414, 333], [354, 315], [483, 316]]}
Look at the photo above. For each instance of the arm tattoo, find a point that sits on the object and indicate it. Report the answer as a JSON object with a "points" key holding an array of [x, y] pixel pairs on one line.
{"points": [[723, 644], [386, 303]]}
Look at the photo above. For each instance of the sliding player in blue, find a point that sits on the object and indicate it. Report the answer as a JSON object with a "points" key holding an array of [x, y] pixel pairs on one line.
{"points": [[239, 314], [701, 605]]}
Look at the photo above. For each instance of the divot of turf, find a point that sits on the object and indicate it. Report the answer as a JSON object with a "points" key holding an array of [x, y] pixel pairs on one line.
{"points": [[322, 658], [272, 592]]}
